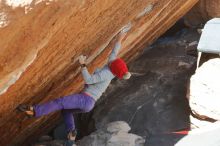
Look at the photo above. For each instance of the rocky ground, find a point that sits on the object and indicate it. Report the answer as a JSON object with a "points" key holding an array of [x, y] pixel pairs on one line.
{"points": [[113, 134], [153, 102]]}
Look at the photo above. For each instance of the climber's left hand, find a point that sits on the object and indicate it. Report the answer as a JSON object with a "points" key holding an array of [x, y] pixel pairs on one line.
{"points": [[82, 59]]}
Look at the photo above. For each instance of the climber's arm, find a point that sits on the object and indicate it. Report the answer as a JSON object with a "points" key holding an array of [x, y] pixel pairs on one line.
{"points": [[116, 48], [94, 78], [114, 52]]}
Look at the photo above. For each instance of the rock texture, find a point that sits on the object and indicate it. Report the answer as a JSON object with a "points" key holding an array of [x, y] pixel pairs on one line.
{"points": [[42, 39], [203, 11], [205, 90], [153, 101], [112, 134]]}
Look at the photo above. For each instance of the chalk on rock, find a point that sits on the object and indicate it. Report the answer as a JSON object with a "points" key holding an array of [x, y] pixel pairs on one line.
{"points": [[126, 28], [146, 10]]}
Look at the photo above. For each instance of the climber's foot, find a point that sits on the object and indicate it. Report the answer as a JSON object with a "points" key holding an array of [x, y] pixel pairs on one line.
{"points": [[27, 109], [71, 135]]}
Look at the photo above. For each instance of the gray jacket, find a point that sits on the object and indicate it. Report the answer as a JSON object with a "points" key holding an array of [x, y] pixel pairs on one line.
{"points": [[98, 82]]}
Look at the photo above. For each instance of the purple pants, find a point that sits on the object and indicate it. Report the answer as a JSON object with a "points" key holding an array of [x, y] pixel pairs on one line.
{"points": [[81, 103]]}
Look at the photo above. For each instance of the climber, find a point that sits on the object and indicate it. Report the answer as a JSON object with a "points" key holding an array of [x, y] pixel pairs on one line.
{"points": [[83, 102]]}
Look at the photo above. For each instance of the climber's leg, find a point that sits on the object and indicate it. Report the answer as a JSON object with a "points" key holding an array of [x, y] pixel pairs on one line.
{"points": [[68, 120], [69, 124], [75, 101]]}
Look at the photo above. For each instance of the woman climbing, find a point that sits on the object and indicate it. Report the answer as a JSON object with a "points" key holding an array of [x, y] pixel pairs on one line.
{"points": [[83, 102]]}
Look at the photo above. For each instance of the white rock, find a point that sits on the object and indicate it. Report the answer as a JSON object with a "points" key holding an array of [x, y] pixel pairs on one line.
{"points": [[125, 139], [205, 89], [118, 126], [115, 134]]}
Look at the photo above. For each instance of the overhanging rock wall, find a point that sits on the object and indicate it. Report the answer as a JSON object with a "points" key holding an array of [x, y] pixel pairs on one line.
{"points": [[203, 11], [41, 41]]}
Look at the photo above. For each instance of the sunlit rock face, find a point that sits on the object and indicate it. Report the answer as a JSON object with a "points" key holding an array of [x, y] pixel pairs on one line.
{"points": [[203, 11], [42, 39]]}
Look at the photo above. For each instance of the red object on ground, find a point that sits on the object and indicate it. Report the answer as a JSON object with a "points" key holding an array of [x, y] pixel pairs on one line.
{"points": [[184, 132]]}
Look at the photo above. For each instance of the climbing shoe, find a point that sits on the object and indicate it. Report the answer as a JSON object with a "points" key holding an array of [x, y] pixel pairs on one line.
{"points": [[27, 109], [71, 135]]}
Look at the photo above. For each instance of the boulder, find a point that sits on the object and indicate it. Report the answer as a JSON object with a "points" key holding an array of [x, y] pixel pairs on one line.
{"points": [[118, 127], [41, 41], [114, 134], [204, 91]]}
